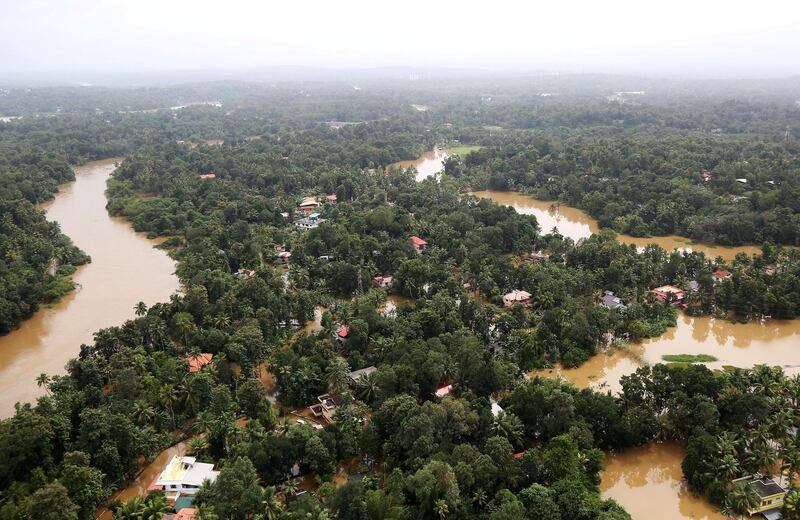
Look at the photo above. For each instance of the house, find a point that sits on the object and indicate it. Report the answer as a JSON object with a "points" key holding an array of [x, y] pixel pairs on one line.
{"points": [[721, 274], [418, 244], [356, 376], [770, 493], [183, 476], [326, 406], [284, 256], [517, 297], [538, 255], [382, 281], [693, 286], [741, 181], [308, 205], [327, 257], [735, 198], [312, 221], [496, 408], [208, 176], [706, 175], [342, 333], [331, 198], [196, 363], [244, 273], [669, 293], [609, 301], [443, 391]]}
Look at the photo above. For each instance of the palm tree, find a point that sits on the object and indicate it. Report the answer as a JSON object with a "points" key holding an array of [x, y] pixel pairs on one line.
{"points": [[290, 488], [184, 323], [763, 456], [791, 505], [728, 467], [790, 462], [43, 380], [742, 498], [142, 412], [155, 507], [271, 507], [367, 388], [338, 374], [140, 309], [441, 509], [479, 498], [509, 426], [198, 445], [130, 509], [167, 397]]}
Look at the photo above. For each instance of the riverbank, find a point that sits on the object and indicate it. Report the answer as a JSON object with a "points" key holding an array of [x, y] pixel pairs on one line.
{"points": [[125, 269], [576, 224]]}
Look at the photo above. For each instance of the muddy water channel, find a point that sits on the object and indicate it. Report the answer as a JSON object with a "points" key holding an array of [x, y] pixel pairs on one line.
{"points": [[648, 483], [576, 224], [125, 269], [428, 164]]}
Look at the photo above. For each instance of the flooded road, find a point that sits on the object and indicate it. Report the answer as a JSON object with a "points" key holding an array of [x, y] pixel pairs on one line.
{"points": [[125, 269], [428, 164], [576, 224], [139, 486], [648, 483]]}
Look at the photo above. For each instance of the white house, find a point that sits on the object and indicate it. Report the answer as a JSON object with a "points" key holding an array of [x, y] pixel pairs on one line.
{"points": [[184, 475]]}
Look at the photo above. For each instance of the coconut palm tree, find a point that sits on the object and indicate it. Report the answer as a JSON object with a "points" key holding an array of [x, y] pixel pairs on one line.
{"points": [[508, 425], [271, 507], [441, 509], [742, 498], [728, 467], [791, 505], [338, 374], [367, 388], [167, 397], [198, 445], [130, 509], [142, 412], [155, 507], [140, 309], [43, 381], [289, 488]]}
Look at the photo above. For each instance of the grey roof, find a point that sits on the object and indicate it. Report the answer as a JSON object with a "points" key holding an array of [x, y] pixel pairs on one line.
{"points": [[357, 375], [767, 487], [611, 301], [772, 514]]}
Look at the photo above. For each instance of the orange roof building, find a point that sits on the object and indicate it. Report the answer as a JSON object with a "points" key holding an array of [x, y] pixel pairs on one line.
{"points": [[198, 362]]}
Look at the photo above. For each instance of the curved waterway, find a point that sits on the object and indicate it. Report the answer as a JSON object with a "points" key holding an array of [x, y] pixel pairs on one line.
{"points": [[125, 270], [575, 224], [427, 165], [648, 483], [771, 342]]}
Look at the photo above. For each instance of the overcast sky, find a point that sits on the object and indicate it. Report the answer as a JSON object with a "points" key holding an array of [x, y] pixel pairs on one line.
{"points": [[693, 37]]}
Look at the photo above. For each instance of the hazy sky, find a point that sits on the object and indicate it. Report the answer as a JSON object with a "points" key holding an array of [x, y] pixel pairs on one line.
{"points": [[698, 37]]}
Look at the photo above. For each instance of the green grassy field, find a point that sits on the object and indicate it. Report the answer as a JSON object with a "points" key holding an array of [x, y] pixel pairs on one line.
{"points": [[493, 128], [463, 150], [688, 358]]}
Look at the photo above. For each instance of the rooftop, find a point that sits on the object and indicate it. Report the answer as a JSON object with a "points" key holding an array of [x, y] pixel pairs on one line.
{"points": [[357, 375], [199, 361], [418, 241], [764, 486]]}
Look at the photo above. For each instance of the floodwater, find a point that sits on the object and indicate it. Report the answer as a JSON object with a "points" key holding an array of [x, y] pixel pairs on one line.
{"points": [[648, 483], [139, 486], [771, 342], [428, 164], [575, 224], [125, 270]]}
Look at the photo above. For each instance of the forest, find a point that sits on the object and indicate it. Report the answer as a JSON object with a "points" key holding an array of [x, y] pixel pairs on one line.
{"points": [[448, 424]]}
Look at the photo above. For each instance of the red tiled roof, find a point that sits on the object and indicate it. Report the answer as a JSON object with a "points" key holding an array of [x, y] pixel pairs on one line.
{"points": [[208, 176], [199, 361], [187, 513], [331, 198], [721, 273], [343, 331], [418, 241]]}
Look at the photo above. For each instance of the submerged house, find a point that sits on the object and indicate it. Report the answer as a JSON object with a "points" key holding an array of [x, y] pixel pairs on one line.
{"points": [[770, 493], [669, 293], [382, 281], [326, 406]]}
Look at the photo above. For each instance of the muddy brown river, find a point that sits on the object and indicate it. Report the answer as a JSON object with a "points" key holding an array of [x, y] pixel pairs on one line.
{"points": [[576, 224], [125, 269], [428, 164], [648, 483]]}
